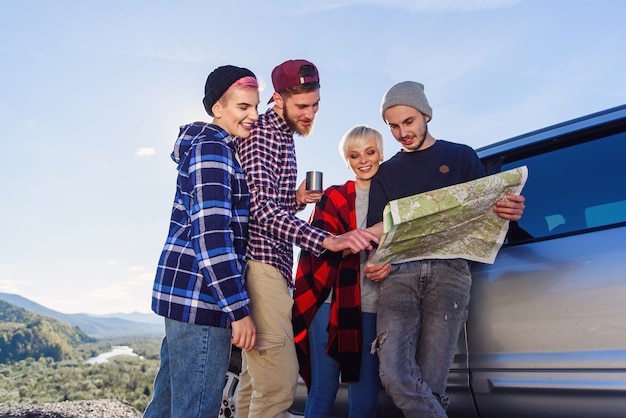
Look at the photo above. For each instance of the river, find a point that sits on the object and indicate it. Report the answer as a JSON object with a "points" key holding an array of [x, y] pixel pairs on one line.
{"points": [[117, 350]]}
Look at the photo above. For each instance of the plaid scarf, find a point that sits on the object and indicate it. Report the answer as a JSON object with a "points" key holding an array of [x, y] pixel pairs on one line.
{"points": [[317, 276]]}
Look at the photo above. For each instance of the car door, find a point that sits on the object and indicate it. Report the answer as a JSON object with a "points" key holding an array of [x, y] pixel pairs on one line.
{"points": [[546, 332]]}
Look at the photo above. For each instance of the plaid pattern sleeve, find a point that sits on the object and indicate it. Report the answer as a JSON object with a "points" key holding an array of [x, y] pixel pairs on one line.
{"points": [[199, 276], [316, 276], [269, 159]]}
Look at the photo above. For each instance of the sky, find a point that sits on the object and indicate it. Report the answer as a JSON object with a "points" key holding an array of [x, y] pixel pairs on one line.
{"points": [[92, 94]]}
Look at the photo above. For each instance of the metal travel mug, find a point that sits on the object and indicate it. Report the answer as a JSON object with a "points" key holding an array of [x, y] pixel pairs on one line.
{"points": [[314, 181]]}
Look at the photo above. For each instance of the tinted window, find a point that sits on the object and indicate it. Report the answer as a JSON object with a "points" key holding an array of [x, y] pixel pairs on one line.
{"points": [[573, 188]]}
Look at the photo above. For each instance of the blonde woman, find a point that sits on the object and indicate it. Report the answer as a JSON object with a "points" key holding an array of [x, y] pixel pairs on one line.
{"points": [[334, 303]]}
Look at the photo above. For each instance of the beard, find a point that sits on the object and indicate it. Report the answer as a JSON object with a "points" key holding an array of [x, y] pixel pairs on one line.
{"points": [[293, 124], [417, 146]]}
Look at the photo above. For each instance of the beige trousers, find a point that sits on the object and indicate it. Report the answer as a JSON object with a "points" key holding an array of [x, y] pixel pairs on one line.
{"points": [[269, 372]]}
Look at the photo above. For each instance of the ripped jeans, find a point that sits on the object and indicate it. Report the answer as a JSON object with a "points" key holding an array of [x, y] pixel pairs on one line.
{"points": [[421, 311]]}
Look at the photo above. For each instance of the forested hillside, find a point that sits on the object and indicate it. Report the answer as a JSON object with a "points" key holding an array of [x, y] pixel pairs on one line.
{"points": [[43, 360], [24, 334]]}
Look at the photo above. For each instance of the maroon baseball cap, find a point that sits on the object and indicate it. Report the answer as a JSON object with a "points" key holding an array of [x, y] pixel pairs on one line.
{"points": [[293, 73]]}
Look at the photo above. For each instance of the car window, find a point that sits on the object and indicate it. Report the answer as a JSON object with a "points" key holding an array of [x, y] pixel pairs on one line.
{"points": [[572, 189]]}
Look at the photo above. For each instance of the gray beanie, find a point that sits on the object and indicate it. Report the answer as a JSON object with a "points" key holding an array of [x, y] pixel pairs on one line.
{"points": [[407, 93]]}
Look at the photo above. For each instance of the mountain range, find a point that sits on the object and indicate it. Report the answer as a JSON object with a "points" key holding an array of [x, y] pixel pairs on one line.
{"points": [[101, 326]]}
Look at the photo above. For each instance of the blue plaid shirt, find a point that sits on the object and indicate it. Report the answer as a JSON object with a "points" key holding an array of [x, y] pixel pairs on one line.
{"points": [[268, 157], [199, 278]]}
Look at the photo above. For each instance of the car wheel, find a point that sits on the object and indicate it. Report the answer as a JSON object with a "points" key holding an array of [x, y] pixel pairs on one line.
{"points": [[227, 409], [229, 394]]}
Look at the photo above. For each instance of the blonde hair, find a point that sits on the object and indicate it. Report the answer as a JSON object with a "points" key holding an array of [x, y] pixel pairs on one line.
{"points": [[357, 137]]}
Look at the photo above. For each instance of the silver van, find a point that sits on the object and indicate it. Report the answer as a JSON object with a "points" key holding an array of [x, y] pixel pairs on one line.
{"points": [[546, 334]]}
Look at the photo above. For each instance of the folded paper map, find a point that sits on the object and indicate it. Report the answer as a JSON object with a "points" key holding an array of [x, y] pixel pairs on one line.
{"points": [[452, 222]]}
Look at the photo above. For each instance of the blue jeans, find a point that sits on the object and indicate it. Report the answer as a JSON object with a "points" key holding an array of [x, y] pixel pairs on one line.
{"points": [[421, 311], [362, 395], [190, 380]]}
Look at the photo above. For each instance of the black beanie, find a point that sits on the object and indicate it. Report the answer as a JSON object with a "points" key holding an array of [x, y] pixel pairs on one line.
{"points": [[219, 81]]}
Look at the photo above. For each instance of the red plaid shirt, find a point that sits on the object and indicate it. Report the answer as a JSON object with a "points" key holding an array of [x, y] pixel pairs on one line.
{"points": [[317, 276]]}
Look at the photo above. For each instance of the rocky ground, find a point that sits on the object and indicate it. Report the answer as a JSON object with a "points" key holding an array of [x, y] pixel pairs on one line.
{"points": [[71, 409]]}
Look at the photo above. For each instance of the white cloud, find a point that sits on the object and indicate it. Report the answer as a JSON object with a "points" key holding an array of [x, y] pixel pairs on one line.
{"points": [[425, 6], [146, 152], [140, 279], [9, 286], [128, 296], [445, 5], [140, 275]]}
